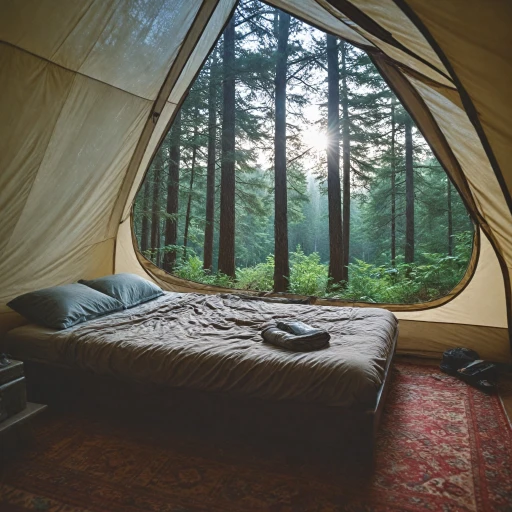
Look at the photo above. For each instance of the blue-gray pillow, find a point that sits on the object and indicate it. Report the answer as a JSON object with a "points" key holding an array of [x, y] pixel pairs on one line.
{"points": [[63, 306], [129, 289]]}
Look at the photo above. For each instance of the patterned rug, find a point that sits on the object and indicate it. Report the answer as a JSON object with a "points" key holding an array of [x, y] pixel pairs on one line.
{"points": [[442, 446]]}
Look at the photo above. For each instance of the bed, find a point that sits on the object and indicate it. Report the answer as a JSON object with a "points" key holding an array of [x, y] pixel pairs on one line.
{"points": [[212, 343]]}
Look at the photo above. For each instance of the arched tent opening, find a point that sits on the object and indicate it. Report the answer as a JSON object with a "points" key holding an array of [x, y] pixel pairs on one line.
{"points": [[371, 215], [90, 88]]}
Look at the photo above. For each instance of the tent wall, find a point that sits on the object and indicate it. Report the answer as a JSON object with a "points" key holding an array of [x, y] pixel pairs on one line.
{"points": [[89, 88], [82, 84]]}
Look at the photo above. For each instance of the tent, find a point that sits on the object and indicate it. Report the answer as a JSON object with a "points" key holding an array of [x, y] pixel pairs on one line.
{"points": [[88, 88]]}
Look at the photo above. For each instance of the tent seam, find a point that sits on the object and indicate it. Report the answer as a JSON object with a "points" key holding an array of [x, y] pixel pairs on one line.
{"points": [[35, 55], [364, 47], [72, 30], [153, 109], [454, 323], [102, 29], [371, 48], [390, 38]]}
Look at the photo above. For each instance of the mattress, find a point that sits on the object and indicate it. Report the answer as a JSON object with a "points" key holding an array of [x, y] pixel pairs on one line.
{"points": [[213, 342]]}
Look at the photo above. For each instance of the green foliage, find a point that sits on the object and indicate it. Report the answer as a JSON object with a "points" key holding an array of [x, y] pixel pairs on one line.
{"points": [[463, 247], [192, 269], [260, 277], [377, 163], [308, 276], [434, 277]]}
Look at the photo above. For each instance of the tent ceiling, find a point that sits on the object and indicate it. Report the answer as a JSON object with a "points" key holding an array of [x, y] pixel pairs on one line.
{"points": [[90, 86]]}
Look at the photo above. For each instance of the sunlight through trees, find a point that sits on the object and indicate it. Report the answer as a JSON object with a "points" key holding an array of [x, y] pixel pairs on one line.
{"points": [[291, 166]]}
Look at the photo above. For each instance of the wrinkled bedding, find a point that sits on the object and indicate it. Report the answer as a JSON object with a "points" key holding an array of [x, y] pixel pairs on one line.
{"points": [[210, 342]]}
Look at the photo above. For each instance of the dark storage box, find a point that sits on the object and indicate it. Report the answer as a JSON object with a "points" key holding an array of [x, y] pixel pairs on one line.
{"points": [[13, 395], [12, 371], [13, 398]]}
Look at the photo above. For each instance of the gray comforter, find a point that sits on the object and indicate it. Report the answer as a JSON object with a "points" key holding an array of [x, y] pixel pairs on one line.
{"points": [[213, 343]]}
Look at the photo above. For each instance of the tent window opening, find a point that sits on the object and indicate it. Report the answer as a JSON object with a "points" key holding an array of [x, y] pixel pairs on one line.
{"points": [[291, 166]]}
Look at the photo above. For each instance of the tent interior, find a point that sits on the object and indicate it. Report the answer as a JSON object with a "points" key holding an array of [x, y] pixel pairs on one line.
{"points": [[89, 89]]}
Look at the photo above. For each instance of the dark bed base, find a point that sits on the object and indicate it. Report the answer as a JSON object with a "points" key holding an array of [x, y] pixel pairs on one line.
{"points": [[346, 428]]}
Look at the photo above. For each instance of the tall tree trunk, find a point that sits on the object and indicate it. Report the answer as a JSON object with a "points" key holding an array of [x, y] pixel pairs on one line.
{"points": [[333, 163], [210, 168], [276, 23], [409, 192], [145, 227], [346, 162], [282, 265], [155, 222], [227, 180], [393, 184], [173, 188], [190, 188], [450, 216]]}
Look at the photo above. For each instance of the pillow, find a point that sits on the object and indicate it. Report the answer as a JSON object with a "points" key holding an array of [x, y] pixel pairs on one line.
{"points": [[61, 307], [129, 289]]}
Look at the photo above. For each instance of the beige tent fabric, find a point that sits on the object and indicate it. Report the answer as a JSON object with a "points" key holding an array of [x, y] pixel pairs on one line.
{"points": [[80, 79], [90, 86], [54, 231], [420, 63], [309, 10], [23, 144], [477, 40], [431, 339], [391, 19], [129, 45]]}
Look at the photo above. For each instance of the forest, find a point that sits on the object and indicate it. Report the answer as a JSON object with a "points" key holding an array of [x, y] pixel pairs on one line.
{"points": [[292, 167]]}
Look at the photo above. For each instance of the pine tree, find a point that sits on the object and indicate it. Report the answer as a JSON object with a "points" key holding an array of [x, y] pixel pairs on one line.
{"points": [[173, 185], [409, 192], [281, 265], [375, 210], [450, 215], [210, 183], [393, 183], [336, 256], [146, 225], [346, 162], [227, 203], [191, 183], [155, 221]]}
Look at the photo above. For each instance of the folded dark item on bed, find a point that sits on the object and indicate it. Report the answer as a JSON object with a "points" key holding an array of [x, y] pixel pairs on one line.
{"points": [[296, 336]]}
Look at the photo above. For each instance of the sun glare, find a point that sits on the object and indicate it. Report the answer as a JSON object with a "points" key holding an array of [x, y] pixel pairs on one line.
{"points": [[316, 140]]}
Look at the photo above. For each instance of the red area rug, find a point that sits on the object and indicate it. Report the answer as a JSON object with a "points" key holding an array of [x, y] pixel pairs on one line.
{"points": [[442, 446]]}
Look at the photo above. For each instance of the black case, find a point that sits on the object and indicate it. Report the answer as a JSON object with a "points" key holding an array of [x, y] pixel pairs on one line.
{"points": [[13, 395], [13, 398], [10, 372]]}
